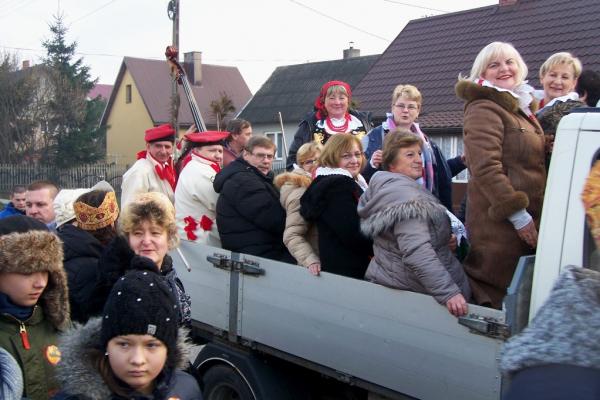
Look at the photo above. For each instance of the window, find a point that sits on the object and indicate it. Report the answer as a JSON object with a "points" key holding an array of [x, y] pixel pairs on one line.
{"points": [[451, 146], [277, 138], [127, 94]]}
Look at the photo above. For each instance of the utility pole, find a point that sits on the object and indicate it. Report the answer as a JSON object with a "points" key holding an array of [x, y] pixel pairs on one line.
{"points": [[173, 13]]}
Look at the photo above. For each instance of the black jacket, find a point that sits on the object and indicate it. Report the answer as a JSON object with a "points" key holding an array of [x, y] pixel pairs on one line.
{"points": [[81, 254], [250, 217], [330, 202], [304, 134]]}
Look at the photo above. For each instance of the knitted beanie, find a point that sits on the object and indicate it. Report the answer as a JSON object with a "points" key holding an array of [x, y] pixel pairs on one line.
{"points": [[141, 303]]}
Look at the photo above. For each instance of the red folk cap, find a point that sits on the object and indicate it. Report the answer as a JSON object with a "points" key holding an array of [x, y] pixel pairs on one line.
{"points": [[206, 136], [160, 133]]}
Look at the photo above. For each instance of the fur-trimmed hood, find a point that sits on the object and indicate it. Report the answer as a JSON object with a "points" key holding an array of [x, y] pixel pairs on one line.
{"points": [[470, 91], [38, 251], [290, 181], [393, 197], [78, 377]]}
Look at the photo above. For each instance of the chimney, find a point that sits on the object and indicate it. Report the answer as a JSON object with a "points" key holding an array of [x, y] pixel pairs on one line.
{"points": [[351, 52], [508, 2], [193, 61], [25, 64]]}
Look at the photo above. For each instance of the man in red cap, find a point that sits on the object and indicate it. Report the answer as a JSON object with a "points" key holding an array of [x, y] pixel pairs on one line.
{"points": [[153, 171], [195, 198]]}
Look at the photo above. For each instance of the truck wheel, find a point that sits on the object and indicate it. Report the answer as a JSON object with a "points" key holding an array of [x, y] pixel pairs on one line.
{"points": [[224, 383]]}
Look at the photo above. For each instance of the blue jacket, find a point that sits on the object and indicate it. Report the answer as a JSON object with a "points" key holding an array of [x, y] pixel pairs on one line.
{"points": [[444, 170], [10, 210]]}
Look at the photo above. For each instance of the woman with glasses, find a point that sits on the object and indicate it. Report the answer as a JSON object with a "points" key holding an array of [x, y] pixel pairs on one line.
{"points": [[332, 115], [437, 172], [330, 203], [299, 236]]}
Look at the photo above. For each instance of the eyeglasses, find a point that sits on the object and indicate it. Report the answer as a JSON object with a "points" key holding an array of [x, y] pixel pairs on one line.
{"points": [[409, 107], [309, 162], [262, 156], [349, 156]]}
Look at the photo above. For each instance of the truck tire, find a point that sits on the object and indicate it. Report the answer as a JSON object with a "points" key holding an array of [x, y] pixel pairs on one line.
{"points": [[221, 382]]}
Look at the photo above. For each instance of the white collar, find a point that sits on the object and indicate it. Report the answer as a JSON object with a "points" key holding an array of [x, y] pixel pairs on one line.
{"points": [[325, 171], [562, 99], [523, 93]]}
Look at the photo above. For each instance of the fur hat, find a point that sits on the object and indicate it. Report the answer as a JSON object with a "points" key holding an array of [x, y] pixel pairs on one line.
{"points": [[141, 303], [26, 246]]}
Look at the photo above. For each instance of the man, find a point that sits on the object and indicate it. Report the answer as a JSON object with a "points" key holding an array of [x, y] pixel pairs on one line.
{"points": [[39, 199], [240, 132], [154, 170], [250, 218], [17, 203]]}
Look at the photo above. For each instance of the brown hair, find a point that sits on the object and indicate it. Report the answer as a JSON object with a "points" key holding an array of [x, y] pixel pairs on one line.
{"points": [[393, 142], [18, 189], [338, 145], [235, 126], [39, 185], [260, 141]]}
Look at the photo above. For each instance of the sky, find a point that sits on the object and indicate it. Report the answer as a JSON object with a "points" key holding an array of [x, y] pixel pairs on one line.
{"points": [[254, 35]]}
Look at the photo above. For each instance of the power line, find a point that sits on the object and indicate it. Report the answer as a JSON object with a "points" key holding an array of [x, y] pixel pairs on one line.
{"points": [[92, 12], [20, 6], [339, 21], [415, 6]]}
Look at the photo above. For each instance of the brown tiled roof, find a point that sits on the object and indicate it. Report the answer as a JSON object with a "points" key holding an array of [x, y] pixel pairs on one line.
{"points": [[430, 52], [100, 90], [292, 89], [153, 80]]}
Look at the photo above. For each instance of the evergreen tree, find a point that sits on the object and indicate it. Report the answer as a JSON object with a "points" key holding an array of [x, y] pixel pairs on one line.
{"points": [[71, 125]]}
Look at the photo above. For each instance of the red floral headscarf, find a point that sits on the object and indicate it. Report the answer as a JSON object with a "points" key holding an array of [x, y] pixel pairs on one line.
{"points": [[320, 101]]}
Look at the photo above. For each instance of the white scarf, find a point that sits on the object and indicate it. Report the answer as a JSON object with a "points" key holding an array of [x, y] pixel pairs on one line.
{"points": [[523, 93]]}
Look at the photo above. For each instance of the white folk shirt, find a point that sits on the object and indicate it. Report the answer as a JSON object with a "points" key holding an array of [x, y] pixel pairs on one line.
{"points": [[196, 202], [142, 178]]}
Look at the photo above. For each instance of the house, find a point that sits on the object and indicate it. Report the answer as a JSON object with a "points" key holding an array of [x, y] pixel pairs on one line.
{"points": [[291, 90], [431, 52], [141, 99], [100, 90]]}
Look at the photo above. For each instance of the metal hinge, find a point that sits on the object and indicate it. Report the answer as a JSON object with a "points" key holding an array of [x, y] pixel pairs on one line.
{"points": [[486, 326], [244, 267]]}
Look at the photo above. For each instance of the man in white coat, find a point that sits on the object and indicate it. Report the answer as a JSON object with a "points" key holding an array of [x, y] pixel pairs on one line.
{"points": [[195, 198], [154, 170]]}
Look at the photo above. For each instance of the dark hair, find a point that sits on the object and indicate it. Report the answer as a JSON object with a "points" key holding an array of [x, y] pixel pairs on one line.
{"points": [[260, 141], [39, 185], [18, 189], [394, 141], [235, 126], [95, 199], [588, 84]]}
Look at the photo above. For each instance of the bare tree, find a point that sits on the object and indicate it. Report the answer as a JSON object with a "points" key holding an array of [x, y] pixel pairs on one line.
{"points": [[221, 108]]}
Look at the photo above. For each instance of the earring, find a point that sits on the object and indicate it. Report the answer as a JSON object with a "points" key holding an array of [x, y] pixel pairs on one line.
{"points": [[106, 354]]}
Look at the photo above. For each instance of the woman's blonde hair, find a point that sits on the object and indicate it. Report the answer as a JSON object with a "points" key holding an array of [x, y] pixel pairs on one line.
{"points": [[561, 58], [338, 145], [308, 150], [493, 51], [409, 91], [152, 207], [394, 141]]}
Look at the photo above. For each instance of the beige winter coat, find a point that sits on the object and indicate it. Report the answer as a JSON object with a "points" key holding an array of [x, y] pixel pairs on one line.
{"points": [[299, 236]]}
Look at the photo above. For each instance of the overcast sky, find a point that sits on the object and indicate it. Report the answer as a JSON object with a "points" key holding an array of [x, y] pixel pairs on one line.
{"points": [[254, 35]]}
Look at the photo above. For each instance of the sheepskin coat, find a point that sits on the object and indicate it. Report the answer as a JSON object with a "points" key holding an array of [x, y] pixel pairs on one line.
{"points": [[29, 252], [299, 236], [80, 380], [410, 230], [505, 155]]}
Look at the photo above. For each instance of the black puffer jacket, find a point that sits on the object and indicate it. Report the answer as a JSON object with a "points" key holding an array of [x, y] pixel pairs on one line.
{"points": [[81, 254], [330, 202], [250, 217]]}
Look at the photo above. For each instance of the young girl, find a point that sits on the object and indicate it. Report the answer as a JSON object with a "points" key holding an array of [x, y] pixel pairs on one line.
{"points": [[134, 350]]}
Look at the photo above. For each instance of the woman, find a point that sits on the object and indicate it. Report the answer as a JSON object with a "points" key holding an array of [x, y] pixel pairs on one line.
{"points": [[505, 156], [331, 115], [300, 237], [96, 213], [410, 229], [437, 172], [147, 232], [558, 76], [134, 351], [330, 203], [195, 198]]}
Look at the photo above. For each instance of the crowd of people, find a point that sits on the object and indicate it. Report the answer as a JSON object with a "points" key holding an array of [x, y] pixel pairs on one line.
{"points": [[88, 289]]}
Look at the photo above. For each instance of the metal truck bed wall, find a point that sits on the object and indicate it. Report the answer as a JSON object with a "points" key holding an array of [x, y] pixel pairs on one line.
{"points": [[395, 339]]}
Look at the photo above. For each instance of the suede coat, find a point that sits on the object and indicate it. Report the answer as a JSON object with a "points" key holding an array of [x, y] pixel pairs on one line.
{"points": [[506, 160], [410, 231], [299, 236]]}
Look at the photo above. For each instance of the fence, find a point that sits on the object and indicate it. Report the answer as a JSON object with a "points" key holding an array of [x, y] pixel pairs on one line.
{"points": [[66, 178]]}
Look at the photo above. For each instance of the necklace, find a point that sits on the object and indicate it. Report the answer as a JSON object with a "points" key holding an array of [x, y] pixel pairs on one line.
{"points": [[342, 128]]}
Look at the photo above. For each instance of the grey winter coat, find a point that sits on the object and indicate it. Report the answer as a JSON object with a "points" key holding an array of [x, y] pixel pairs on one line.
{"points": [[410, 231]]}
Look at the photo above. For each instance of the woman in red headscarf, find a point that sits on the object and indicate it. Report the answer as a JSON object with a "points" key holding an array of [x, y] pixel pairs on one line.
{"points": [[332, 115]]}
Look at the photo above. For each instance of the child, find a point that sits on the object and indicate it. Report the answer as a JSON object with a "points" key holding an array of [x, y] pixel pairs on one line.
{"points": [[34, 303], [134, 350]]}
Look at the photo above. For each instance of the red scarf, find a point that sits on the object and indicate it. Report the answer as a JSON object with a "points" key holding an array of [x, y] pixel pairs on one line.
{"points": [[191, 225], [165, 172]]}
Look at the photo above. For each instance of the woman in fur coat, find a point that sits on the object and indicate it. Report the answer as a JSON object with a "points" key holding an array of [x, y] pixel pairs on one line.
{"points": [[299, 236], [410, 229], [504, 146]]}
